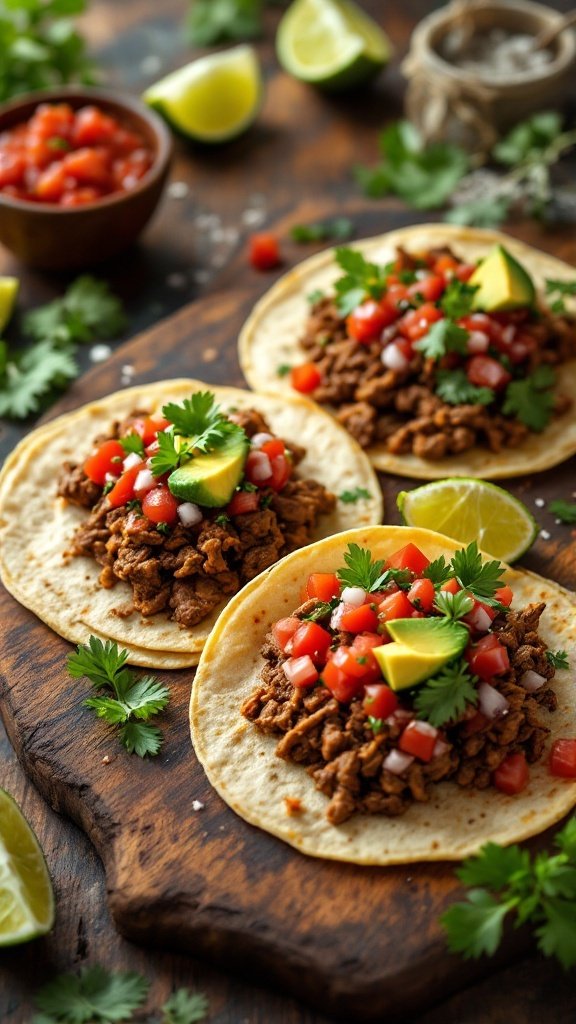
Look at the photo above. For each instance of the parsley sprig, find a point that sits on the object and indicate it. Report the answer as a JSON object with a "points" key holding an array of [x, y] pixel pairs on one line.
{"points": [[362, 279], [444, 336], [371, 576], [99, 996], [439, 571], [531, 399], [134, 700], [481, 579], [564, 510], [453, 606], [198, 425], [444, 697], [507, 881]]}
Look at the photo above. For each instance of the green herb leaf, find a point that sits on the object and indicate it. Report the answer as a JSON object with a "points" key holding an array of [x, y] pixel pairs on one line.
{"points": [[444, 697], [371, 576], [376, 724], [222, 519], [31, 377], [351, 497], [564, 510], [95, 996], [475, 927], [482, 579], [88, 311], [185, 1007], [203, 422], [528, 139], [458, 298], [312, 298], [444, 336], [339, 229], [163, 528], [559, 659], [168, 457], [102, 662], [283, 370], [438, 571], [453, 387], [558, 291], [480, 213], [141, 738], [494, 866], [361, 279], [132, 443], [454, 606], [531, 400], [219, 21]]}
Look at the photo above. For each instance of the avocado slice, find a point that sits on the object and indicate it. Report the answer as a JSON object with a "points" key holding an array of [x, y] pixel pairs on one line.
{"points": [[420, 648], [210, 479], [8, 291], [502, 283]]}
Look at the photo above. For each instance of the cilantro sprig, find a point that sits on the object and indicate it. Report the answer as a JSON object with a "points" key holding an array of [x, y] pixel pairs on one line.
{"points": [[508, 882], [458, 298], [132, 443], [338, 229], [362, 279], [531, 399], [439, 571], [198, 425], [133, 700], [454, 388], [564, 510], [481, 579], [444, 697], [444, 336], [453, 606], [559, 659], [357, 494], [371, 576]]}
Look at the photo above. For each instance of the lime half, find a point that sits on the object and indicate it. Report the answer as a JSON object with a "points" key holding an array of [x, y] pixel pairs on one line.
{"points": [[26, 897], [468, 510], [214, 98], [8, 292], [331, 43]]}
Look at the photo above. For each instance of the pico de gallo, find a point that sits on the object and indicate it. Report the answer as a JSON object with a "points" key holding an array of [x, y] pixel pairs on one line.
{"points": [[377, 711], [188, 505], [71, 157], [429, 356]]}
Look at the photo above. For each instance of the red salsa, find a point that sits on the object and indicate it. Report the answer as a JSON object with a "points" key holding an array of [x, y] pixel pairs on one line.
{"points": [[71, 157]]}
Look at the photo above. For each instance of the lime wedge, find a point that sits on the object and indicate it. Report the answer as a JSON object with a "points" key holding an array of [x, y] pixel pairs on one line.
{"points": [[214, 98], [331, 43], [8, 292], [468, 510], [26, 897]]}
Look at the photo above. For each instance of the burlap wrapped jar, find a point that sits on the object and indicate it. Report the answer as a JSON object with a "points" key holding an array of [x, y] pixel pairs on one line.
{"points": [[448, 102]]}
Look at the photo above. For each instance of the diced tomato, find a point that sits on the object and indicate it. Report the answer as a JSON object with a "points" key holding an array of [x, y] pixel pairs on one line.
{"points": [[108, 458], [281, 472], [430, 288], [483, 323], [369, 319], [504, 595], [342, 685], [312, 639], [243, 502], [149, 427], [445, 264], [301, 671], [12, 169], [354, 663], [123, 490], [512, 776], [419, 738], [408, 557], [365, 642], [488, 657], [49, 120], [396, 606], [380, 701], [451, 586], [464, 271], [160, 505], [81, 196], [417, 322], [273, 448], [52, 184], [521, 348], [284, 630], [485, 372], [422, 594], [323, 585], [359, 620], [88, 167], [93, 126], [264, 251], [396, 294], [563, 759], [305, 378]]}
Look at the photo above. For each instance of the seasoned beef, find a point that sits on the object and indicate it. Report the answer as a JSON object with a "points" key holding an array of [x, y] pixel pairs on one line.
{"points": [[74, 485]]}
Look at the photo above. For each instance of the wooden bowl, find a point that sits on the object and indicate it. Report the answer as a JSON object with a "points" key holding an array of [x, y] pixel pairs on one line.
{"points": [[52, 237]]}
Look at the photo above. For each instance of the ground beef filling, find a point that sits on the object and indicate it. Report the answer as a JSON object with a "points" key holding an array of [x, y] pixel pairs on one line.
{"points": [[343, 756], [191, 570], [401, 408]]}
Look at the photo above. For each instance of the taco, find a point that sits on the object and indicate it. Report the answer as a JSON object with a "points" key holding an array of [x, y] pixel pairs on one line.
{"points": [[136, 517], [445, 351], [386, 697]]}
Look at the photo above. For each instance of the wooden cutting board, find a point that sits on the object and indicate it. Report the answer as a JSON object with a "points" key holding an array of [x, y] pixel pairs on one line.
{"points": [[359, 943]]}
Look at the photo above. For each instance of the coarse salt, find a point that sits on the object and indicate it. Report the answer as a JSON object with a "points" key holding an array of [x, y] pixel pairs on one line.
{"points": [[177, 190], [98, 353], [539, 502], [197, 805], [545, 535]]}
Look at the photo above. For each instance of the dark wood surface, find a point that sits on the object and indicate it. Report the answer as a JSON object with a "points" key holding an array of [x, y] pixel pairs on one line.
{"points": [[314, 153]]}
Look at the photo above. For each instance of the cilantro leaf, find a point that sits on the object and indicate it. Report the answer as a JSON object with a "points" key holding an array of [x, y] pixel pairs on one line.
{"points": [[283, 370], [132, 443], [454, 606], [565, 840], [168, 457], [494, 865], [531, 400], [481, 578], [94, 996], [559, 659], [193, 415], [481, 213], [185, 1007], [454, 388], [102, 662], [558, 291], [444, 697], [146, 697], [141, 738], [371, 576], [86, 312], [458, 298], [475, 927], [557, 935], [361, 279], [376, 724], [30, 377], [564, 510], [351, 497], [218, 21], [438, 571], [443, 336], [312, 298], [528, 138], [338, 229], [111, 710]]}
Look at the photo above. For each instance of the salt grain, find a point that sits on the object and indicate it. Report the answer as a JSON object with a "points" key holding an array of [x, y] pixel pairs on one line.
{"points": [[197, 805], [545, 535], [150, 65], [252, 218], [98, 353], [177, 190], [539, 502]]}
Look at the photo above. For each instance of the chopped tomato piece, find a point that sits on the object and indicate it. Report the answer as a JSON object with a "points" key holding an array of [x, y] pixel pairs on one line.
{"points": [[281, 472], [243, 502], [445, 265], [108, 458], [380, 701], [396, 606], [355, 663], [359, 620], [504, 595], [417, 322], [81, 196], [264, 251], [284, 630], [512, 776], [485, 372], [52, 184], [160, 505], [123, 490], [464, 271], [419, 738], [563, 759], [300, 671], [93, 126], [488, 657], [365, 642], [273, 448], [422, 594], [396, 293], [305, 378], [430, 288], [343, 686], [451, 586], [88, 167], [323, 585], [312, 639], [369, 319], [408, 557]]}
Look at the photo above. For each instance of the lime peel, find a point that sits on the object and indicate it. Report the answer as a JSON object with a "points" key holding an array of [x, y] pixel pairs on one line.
{"points": [[9, 287], [26, 896]]}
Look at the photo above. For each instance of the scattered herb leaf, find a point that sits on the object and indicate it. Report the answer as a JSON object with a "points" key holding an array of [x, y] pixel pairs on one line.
{"points": [[564, 510], [453, 387], [371, 576], [444, 697], [185, 1007], [339, 229], [438, 571], [454, 606], [376, 724], [219, 21], [351, 497], [559, 659], [482, 579], [361, 279], [95, 995], [444, 336], [531, 400], [132, 443], [458, 298], [283, 370], [312, 298], [558, 291]]}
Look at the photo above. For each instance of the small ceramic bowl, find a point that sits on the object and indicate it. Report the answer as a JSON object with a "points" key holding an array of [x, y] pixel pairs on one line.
{"points": [[52, 237]]}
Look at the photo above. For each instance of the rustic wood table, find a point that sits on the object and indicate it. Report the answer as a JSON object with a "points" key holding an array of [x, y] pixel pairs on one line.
{"points": [[294, 166]]}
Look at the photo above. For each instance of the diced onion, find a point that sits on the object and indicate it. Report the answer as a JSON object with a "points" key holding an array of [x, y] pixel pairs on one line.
{"points": [[478, 341], [440, 748], [479, 619], [189, 513], [300, 671], [491, 702], [354, 596], [393, 358], [388, 333], [336, 617], [110, 478], [400, 717], [259, 439], [425, 729], [260, 467], [131, 460], [145, 481], [508, 334], [531, 680], [397, 762]]}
